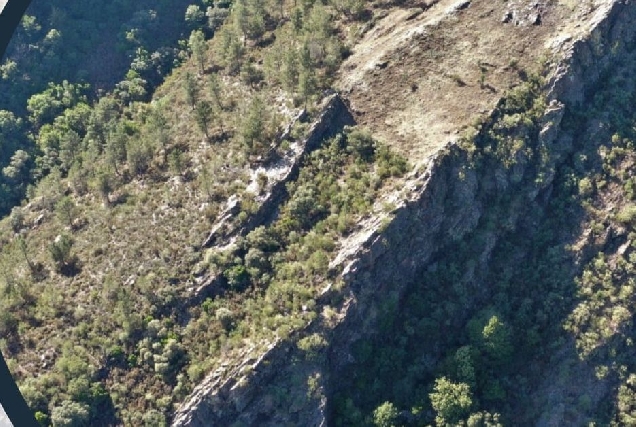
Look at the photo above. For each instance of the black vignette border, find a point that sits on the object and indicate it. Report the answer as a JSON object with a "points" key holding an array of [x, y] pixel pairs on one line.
{"points": [[12, 401]]}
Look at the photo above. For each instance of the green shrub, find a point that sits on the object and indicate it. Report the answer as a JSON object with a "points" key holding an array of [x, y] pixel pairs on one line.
{"points": [[312, 345], [226, 317], [627, 215], [63, 259], [41, 418], [154, 418], [237, 277], [385, 415], [70, 414], [452, 401], [586, 187]]}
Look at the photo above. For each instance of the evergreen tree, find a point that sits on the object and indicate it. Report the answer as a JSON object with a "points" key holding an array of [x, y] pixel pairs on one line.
{"points": [[203, 113], [191, 90], [198, 46]]}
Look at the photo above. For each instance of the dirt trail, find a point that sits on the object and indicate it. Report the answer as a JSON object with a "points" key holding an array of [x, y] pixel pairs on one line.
{"points": [[418, 77]]}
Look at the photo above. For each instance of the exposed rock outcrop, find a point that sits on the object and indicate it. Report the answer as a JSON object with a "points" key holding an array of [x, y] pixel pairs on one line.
{"points": [[442, 203], [281, 169]]}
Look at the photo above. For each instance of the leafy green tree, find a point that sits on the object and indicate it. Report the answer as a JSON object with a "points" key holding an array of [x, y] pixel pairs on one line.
{"points": [[61, 254], [154, 418], [452, 401], [362, 145], [138, 155], [78, 178], [306, 84], [626, 401], [483, 419], [465, 365], [116, 148], [216, 17], [65, 210], [203, 115], [101, 122], [385, 415], [191, 89], [70, 414], [240, 18], [16, 219], [104, 184], [18, 168], [176, 161], [497, 337], [10, 129], [313, 346], [251, 74], [45, 106], [159, 129], [198, 46], [24, 250], [253, 127], [237, 277], [214, 89], [231, 49], [70, 145], [30, 25], [289, 77], [492, 336], [256, 19], [225, 316], [194, 16], [131, 89]]}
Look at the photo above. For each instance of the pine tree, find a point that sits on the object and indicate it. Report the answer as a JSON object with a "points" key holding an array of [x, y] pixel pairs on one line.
{"points": [[203, 114], [191, 89], [198, 46]]}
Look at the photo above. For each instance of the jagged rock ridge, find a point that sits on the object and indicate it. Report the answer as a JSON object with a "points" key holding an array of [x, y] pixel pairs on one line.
{"points": [[436, 208]]}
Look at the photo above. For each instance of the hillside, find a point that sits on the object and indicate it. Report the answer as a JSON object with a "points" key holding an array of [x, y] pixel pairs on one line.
{"points": [[333, 213], [66, 53]]}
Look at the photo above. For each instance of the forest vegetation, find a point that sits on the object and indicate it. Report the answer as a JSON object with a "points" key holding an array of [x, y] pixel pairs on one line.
{"points": [[122, 147]]}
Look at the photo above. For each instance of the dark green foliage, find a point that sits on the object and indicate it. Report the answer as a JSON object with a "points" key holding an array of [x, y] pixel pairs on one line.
{"points": [[104, 183], [451, 401], [492, 336], [194, 16], [191, 89], [65, 209], [362, 145], [253, 128], [237, 277], [61, 254], [54, 65], [385, 415], [474, 338], [70, 414], [448, 319], [45, 106], [203, 115], [312, 346], [198, 47]]}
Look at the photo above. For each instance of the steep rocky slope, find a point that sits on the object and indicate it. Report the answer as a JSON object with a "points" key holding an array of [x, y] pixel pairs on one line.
{"points": [[341, 213], [417, 79]]}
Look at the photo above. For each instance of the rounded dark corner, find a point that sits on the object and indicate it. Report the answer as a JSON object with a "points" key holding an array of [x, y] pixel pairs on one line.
{"points": [[11, 399], [9, 20]]}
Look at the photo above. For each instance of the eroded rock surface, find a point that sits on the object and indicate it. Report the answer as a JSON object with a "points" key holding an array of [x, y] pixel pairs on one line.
{"points": [[442, 201]]}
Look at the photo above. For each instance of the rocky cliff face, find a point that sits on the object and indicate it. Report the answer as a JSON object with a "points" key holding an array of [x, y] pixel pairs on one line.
{"points": [[442, 203], [280, 169]]}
